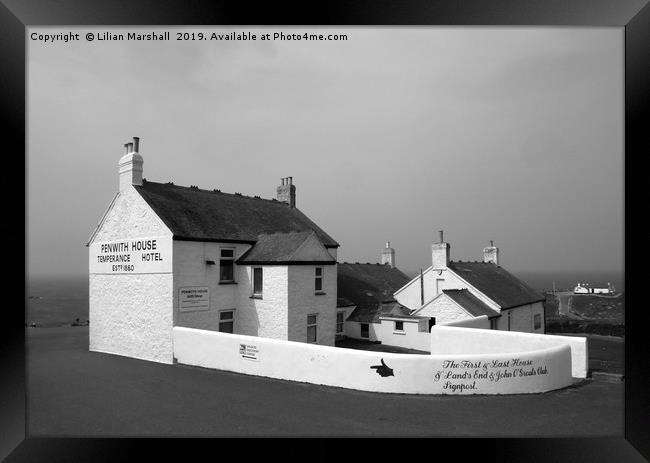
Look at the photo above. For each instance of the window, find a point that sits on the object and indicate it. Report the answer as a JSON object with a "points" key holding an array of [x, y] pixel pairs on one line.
{"points": [[226, 266], [538, 321], [439, 283], [340, 320], [493, 323], [311, 328], [399, 326], [365, 330], [318, 280], [227, 321], [258, 283]]}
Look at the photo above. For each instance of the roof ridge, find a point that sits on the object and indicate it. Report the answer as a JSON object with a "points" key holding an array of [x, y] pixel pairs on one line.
{"points": [[308, 232], [213, 191]]}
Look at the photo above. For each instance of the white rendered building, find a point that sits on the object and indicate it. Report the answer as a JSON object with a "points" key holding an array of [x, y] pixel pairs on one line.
{"points": [[454, 291], [166, 255]]}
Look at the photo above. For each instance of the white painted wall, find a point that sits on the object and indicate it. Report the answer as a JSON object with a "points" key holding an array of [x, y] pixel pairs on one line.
{"points": [[522, 318], [455, 340], [444, 309], [349, 368], [353, 330], [304, 301], [267, 317], [288, 295], [411, 337], [409, 294], [191, 270], [131, 314]]}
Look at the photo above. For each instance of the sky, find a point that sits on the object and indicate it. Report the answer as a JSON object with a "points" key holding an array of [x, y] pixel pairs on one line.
{"points": [[506, 134]]}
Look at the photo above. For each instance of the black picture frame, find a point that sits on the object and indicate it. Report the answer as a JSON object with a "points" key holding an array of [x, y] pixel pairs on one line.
{"points": [[634, 16]]}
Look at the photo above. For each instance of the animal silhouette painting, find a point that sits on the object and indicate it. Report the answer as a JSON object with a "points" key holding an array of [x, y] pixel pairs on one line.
{"points": [[383, 370]]}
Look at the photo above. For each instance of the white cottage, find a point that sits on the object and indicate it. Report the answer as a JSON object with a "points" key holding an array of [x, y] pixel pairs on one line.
{"points": [[452, 292], [165, 255]]}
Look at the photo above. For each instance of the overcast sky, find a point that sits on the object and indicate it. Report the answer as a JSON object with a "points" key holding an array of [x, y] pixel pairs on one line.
{"points": [[506, 134]]}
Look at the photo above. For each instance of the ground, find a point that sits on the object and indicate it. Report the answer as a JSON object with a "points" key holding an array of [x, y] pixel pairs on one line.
{"points": [[73, 392]]}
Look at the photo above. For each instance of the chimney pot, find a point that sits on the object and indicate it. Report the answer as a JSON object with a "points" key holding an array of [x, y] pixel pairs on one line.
{"points": [[491, 254], [286, 192], [130, 166], [136, 144], [388, 255], [440, 253]]}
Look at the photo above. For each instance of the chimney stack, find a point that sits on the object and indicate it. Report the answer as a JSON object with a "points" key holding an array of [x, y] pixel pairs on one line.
{"points": [[388, 255], [286, 192], [491, 254], [130, 165], [440, 254]]}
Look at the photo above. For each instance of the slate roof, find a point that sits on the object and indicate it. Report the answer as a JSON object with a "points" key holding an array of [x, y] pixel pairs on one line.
{"points": [[471, 303], [371, 314], [287, 248], [368, 284], [496, 283], [370, 287], [193, 214]]}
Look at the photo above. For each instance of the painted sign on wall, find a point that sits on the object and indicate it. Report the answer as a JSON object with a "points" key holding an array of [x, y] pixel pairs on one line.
{"points": [[249, 352], [135, 255], [194, 298], [460, 375]]}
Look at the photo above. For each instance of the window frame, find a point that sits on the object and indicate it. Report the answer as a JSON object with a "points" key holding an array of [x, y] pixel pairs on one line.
{"points": [[312, 325], [336, 328], [367, 325], [395, 328], [537, 318], [319, 279], [226, 321], [223, 259], [260, 293]]}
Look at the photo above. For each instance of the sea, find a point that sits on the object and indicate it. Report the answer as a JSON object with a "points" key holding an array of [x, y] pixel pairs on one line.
{"points": [[61, 300]]}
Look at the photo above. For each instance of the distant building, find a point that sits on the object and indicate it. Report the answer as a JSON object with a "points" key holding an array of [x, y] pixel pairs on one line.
{"points": [[454, 291], [585, 288]]}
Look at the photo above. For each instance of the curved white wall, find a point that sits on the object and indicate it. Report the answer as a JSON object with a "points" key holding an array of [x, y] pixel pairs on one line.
{"points": [[533, 371], [457, 340]]}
